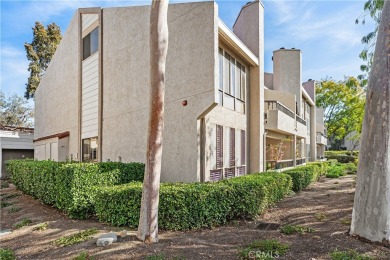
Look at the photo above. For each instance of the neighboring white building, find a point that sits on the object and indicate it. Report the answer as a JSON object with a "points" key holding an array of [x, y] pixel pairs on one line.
{"points": [[15, 143]]}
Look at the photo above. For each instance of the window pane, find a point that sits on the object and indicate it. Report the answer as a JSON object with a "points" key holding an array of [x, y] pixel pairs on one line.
{"points": [[232, 77], [86, 46], [89, 147], [243, 84], [86, 150], [94, 40], [226, 71], [238, 79], [220, 69]]}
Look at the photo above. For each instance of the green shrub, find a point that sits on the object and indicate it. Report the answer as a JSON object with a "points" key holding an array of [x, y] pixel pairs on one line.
{"points": [[332, 162], [322, 165], [194, 205], [336, 171], [6, 254], [264, 249], [345, 152], [70, 186], [350, 168], [342, 158], [302, 176]]}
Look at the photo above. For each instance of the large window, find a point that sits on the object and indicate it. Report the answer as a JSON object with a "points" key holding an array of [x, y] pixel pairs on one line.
{"points": [[230, 153], [232, 82], [91, 43], [90, 149]]}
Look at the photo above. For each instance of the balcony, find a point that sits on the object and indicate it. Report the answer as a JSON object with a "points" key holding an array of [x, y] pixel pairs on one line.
{"points": [[278, 117], [321, 139], [301, 127]]}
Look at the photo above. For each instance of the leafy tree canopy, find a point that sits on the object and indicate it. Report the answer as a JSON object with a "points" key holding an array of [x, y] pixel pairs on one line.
{"points": [[373, 9], [343, 102], [15, 111], [40, 52]]}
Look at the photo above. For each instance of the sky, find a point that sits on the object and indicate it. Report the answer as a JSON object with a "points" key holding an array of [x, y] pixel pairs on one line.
{"points": [[325, 32]]}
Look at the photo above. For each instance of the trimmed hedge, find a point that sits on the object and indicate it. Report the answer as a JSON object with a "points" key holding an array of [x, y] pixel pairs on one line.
{"points": [[346, 152], [302, 176], [70, 186], [186, 206], [342, 158]]}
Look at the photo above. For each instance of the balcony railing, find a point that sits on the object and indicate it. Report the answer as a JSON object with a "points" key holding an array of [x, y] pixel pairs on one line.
{"points": [[300, 120], [321, 134], [276, 105], [280, 164], [301, 161]]}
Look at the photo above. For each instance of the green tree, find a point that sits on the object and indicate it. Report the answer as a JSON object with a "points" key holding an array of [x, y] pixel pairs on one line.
{"points": [[373, 9], [15, 111], [343, 102], [40, 52]]}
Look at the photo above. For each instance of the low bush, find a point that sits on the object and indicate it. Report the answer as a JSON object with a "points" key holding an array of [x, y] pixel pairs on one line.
{"points": [[302, 176], [345, 152], [336, 171], [350, 168], [322, 165], [70, 186], [194, 205], [332, 162], [342, 158]]}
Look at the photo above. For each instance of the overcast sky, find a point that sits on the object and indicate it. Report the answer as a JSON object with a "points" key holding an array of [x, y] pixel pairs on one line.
{"points": [[325, 31]]}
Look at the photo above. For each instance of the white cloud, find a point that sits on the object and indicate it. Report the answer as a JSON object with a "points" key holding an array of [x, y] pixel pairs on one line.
{"points": [[14, 72]]}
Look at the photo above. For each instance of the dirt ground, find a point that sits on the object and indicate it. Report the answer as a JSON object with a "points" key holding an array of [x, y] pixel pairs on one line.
{"points": [[329, 198]]}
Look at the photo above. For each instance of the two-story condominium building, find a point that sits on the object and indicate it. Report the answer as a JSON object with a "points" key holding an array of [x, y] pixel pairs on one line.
{"points": [[290, 111], [92, 103]]}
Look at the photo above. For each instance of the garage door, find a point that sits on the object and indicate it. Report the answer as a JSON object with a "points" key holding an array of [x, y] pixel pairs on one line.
{"points": [[8, 154]]}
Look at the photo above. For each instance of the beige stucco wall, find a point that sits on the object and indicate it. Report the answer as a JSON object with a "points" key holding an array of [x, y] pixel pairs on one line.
{"points": [[191, 74], [249, 27], [287, 73], [56, 99], [54, 149], [269, 80], [287, 99]]}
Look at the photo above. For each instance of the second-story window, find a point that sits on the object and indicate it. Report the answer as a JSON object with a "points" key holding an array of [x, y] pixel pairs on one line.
{"points": [[91, 43], [233, 82]]}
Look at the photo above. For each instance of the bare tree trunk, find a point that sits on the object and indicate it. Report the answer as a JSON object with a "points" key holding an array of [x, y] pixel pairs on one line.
{"points": [[148, 222], [371, 211]]}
